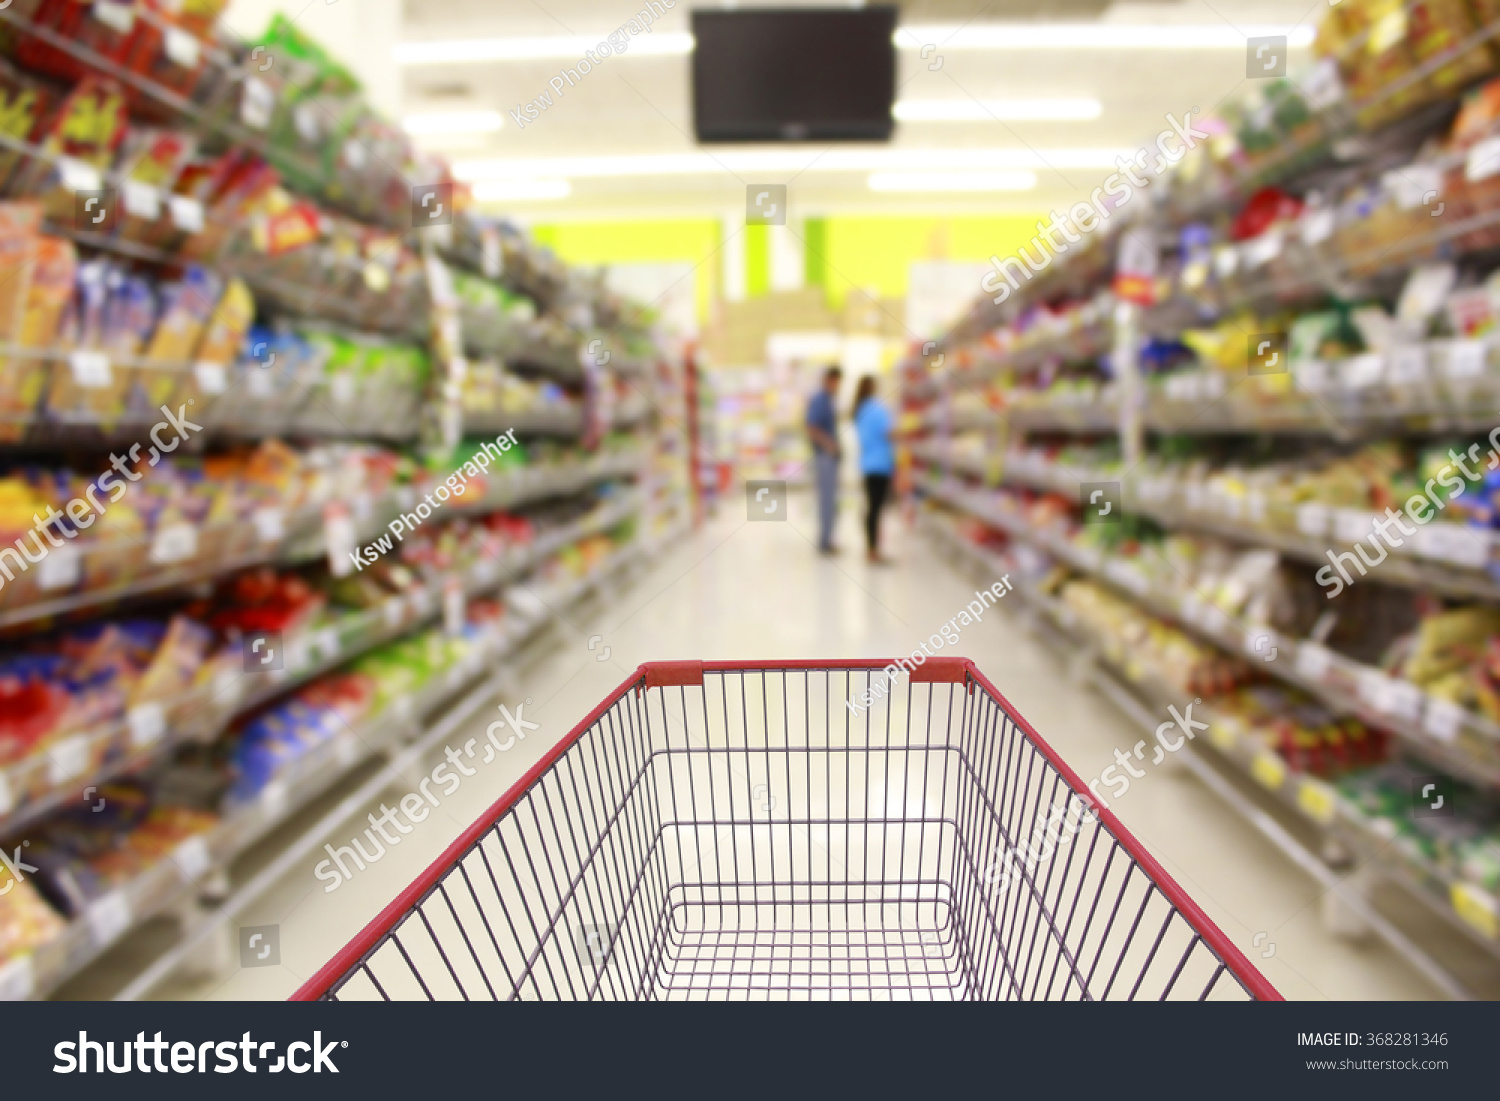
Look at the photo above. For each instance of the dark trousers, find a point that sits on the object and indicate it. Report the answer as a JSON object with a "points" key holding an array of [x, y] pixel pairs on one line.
{"points": [[877, 487]]}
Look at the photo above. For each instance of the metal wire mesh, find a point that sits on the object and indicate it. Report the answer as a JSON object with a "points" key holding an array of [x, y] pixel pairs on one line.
{"points": [[757, 837]]}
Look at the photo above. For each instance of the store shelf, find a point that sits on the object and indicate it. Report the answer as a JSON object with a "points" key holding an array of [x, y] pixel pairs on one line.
{"points": [[1448, 558], [1456, 740], [34, 787], [1310, 798], [166, 884]]}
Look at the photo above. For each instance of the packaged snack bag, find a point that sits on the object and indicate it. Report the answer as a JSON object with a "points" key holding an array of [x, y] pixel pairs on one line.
{"points": [[73, 394], [23, 105], [186, 308], [87, 128], [1436, 27], [48, 288]]}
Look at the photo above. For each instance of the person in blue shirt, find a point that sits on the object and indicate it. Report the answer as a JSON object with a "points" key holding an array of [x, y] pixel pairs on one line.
{"points": [[877, 460], [823, 433]]}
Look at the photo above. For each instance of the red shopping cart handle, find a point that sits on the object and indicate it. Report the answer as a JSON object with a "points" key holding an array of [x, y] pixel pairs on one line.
{"points": [[669, 674]]}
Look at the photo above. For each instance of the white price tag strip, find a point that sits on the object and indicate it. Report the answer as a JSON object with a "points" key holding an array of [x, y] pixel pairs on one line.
{"points": [[67, 758], [1459, 544], [346, 750], [141, 200], [394, 610], [339, 539], [213, 378], [7, 800], [90, 369], [455, 608], [180, 47], [148, 722], [328, 643], [62, 569], [270, 524], [174, 543], [273, 799], [1313, 661], [1465, 359], [192, 858], [1312, 519], [17, 979], [108, 917], [1443, 719]]}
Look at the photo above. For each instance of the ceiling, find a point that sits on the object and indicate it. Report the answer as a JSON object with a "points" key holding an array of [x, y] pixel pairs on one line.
{"points": [[639, 104]]}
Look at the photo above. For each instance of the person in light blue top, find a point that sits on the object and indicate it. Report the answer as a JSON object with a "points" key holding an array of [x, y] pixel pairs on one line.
{"points": [[874, 425], [822, 432]]}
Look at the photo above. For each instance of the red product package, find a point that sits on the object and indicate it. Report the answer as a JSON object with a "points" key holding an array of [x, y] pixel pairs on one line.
{"points": [[107, 28]]}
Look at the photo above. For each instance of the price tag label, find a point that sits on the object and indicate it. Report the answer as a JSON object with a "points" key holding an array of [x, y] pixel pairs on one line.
{"points": [[192, 858], [1483, 160], [148, 722], [78, 176], [90, 369], [1269, 770], [1226, 261], [67, 758], [1312, 519], [1476, 907], [270, 524], [187, 213], [1313, 661], [1363, 371], [1443, 719], [227, 685], [180, 47], [341, 387], [1312, 375], [339, 539], [1466, 359], [1262, 250], [260, 383], [1403, 699], [141, 200], [1255, 506], [346, 750], [1317, 800], [1407, 365], [62, 569], [394, 611], [118, 17], [455, 607], [257, 103], [403, 708], [1316, 226], [17, 979], [421, 601], [273, 799], [1351, 525], [1322, 87], [174, 543], [298, 653], [1456, 543], [7, 800], [212, 378], [1260, 643], [108, 917], [327, 642]]}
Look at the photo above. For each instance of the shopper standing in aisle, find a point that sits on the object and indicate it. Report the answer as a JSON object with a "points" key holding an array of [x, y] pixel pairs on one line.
{"points": [[877, 461], [822, 430]]}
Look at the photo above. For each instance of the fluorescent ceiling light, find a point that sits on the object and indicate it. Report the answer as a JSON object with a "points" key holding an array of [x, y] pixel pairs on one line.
{"points": [[991, 110], [431, 124], [785, 162], [1093, 36], [511, 191], [952, 181], [982, 36], [564, 47]]}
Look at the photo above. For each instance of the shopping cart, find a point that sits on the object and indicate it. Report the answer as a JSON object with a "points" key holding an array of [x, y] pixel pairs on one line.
{"points": [[768, 830]]}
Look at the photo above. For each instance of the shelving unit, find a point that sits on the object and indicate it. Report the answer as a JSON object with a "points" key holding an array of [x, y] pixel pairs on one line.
{"points": [[602, 489], [1003, 464]]}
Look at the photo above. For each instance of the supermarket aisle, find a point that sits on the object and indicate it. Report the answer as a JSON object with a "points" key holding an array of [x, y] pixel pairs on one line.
{"points": [[739, 590]]}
